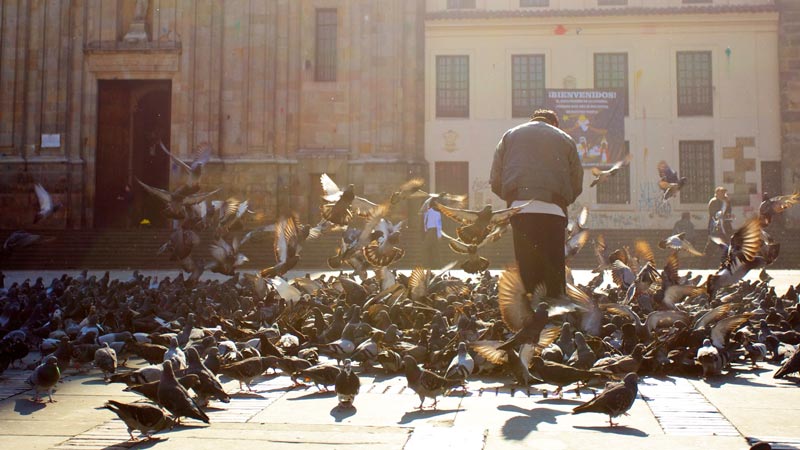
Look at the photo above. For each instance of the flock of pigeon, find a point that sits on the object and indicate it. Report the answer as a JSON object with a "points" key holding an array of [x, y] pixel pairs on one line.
{"points": [[436, 329]]}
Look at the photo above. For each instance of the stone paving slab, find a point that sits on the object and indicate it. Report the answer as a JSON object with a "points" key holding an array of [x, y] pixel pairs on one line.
{"points": [[491, 416]]}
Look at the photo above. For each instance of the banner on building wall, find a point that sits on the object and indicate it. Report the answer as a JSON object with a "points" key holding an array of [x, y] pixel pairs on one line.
{"points": [[595, 119]]}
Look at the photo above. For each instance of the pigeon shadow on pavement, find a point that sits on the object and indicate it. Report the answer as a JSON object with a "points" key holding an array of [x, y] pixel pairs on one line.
{"points": [[313, 395], [518, 427], [732, 378], [98, 382], [619, 429], [339, 413], [246, 395], [142, 443], [561, 401], [425, 414], [25, 406]]}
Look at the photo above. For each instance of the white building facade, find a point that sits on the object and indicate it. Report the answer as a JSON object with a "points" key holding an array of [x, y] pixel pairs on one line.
{"points": [[701, 79]]}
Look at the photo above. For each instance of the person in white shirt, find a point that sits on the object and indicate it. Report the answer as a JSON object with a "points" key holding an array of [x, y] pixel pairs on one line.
{"points": [[432, 226]]}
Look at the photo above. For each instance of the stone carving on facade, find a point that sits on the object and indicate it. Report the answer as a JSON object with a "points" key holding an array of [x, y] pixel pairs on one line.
{"points": [[137, 32], [450, 138]]}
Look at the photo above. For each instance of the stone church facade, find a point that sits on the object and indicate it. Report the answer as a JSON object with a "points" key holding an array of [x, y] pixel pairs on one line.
{"points": [[282, 91]]}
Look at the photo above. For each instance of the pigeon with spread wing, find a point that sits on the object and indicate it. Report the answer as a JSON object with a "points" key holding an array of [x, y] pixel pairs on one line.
{"points": [[669, 181], [601, 176], [477, 225]]}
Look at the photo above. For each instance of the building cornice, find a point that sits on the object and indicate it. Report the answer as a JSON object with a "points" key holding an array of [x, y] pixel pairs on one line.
{"points": [[459, 14]]}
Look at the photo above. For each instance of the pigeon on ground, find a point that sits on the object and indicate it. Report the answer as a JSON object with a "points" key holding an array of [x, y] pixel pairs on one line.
{"points": [[321, 374], [208, 386], [462, 364], [426, 383], [615, 400], [709, 357], [150, 390], [140, 416], [347, 385], [45, 377], [790, 366], [175, 354], [105, 358], [175, 398], [246, 370]]}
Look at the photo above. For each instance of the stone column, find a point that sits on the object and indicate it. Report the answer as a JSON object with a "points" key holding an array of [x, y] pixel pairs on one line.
{"points": [[789, 68]]}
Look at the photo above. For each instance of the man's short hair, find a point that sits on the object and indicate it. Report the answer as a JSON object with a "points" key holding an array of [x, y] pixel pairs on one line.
{"points": [[720, 189], [545, 115]]}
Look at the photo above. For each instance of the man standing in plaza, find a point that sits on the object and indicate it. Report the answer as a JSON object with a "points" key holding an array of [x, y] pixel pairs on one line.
{"points": [[719, 215], [432, 225], [537, 165]]}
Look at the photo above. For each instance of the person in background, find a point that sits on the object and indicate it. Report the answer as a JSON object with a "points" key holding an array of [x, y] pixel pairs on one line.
{"points": [[720, 218], [684, 225], [432, 226], [536, 165], [719, 213]]}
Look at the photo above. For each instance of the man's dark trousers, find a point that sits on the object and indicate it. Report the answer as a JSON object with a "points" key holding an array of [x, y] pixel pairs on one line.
{"points": [[431, 242], [539, 250]]}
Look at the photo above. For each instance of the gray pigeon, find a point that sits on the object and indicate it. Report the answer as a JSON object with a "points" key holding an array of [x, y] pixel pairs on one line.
{"points": [[461, 365], [44, 377], [615, 400], [105, 359], [140, 416], [347, 385], [175, 398], [209, 385], [583, 357], [175, 354]]}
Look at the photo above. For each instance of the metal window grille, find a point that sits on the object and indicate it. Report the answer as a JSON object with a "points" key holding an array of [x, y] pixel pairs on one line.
{"points": [[697, 165], [694, 84], [460, 4], [527, 84], [527, 3], [617, 189], [612, 2], [611, 72], [452, 86], [327, 22]]}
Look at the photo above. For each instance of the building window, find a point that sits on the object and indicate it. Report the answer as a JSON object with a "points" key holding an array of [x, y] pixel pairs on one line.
{"points": [[325, 68], [694, 84], [612, 2], [611, 72], [452, 86], [616, 190], [697, 165], [460, 4], [529, 3], [527, 84]]}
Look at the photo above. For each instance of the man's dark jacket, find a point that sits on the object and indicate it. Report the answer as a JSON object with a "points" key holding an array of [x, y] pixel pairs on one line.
{"points": [[536, 161]]}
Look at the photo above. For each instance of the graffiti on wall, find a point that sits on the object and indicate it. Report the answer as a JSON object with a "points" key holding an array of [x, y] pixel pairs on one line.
{"points": [[650, 201]]}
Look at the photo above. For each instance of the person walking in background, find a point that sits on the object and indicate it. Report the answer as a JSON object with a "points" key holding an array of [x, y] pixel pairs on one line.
{"points": [[432, 226], [719, 215], [537, 165]]}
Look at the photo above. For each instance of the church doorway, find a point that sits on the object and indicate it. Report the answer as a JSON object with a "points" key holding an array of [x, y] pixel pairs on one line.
{"points": [[133, 117]]}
